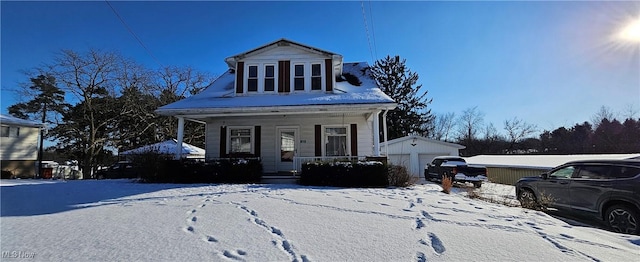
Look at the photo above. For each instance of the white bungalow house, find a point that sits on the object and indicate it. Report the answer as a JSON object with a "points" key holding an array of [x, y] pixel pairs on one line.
{"points": [[19, 145], [286, 103]]}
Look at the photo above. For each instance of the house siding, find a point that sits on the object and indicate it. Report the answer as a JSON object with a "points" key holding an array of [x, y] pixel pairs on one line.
{"points": [[23, 147], [306, 127]]}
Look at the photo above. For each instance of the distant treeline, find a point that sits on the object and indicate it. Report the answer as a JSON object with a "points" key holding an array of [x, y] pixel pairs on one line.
{"points": [[607, 137]]}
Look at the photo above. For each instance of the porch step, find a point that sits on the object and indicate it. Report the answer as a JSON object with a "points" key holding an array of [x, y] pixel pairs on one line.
{"points": [[280, 179]]}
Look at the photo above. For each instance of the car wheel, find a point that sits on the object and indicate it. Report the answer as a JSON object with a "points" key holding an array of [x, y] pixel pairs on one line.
{"points": [[527, 198], [623, 219]]}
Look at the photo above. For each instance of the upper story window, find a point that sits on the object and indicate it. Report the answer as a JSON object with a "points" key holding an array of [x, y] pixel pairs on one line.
{"points": [[316, 77], [269, 78], [10, 131], [298, 79], [252, 83]]}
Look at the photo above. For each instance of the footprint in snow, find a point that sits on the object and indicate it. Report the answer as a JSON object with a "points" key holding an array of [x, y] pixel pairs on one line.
{"points": [[436, 244], [419, 223], [421, 257], [210, 239], [230, 255], [189, 229]]}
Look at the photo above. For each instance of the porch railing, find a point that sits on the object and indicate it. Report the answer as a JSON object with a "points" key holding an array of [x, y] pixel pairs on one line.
{"points": [[298, 161]]}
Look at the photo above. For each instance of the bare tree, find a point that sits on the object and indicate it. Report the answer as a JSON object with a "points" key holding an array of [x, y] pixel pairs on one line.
{"points": [[630, 112], [443, 126], [175, 83], [90, 77], [517, 129], [602, 114], [470, 123]]}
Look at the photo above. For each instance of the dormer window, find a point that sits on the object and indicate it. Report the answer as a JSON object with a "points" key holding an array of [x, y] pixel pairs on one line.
{"points": [[298, 79], [252, 83], [316, 77], [269, 78]]}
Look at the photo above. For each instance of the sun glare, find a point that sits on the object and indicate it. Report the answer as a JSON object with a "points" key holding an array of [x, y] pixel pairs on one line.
{"points": [[631, 32]]}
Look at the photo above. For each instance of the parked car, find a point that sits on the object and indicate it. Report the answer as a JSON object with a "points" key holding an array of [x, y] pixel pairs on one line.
{"points": [[607, 190], [455, 168], [121, 169]]}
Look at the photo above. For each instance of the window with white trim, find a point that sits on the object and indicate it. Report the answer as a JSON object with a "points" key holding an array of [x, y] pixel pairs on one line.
{"points": [[298, 77], [316, 77], [10, 131], [252, 80], [269, 78], [336, 141], [240, 140]]}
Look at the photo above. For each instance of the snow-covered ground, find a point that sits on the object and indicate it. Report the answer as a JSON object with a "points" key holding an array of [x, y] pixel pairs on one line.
{"points": [[123, 221]]}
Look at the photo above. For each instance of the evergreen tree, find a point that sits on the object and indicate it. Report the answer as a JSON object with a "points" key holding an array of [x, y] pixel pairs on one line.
{"points": [[47, 98], [397, 81]]}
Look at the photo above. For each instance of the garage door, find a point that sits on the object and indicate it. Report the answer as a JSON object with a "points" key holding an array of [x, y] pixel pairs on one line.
{"points": [[426, 159]]}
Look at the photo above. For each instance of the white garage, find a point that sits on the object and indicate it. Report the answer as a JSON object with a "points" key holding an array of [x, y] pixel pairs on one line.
{"points": [[415, 152]]}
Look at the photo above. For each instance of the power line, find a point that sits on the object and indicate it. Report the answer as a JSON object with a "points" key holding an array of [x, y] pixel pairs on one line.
{"points": [[133, 34], [366, 29], [373, 32]]}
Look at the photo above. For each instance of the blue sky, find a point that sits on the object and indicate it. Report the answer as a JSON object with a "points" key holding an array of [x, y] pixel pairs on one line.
{"points": [[549, 63]]}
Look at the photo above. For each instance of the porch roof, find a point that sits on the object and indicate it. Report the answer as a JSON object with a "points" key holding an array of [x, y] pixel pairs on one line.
{"points": [[220, 98]]}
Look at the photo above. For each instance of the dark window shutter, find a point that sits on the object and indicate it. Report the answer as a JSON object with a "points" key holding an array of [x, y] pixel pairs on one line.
{"points": [[223, 141], [287, 76], [354, 139], [239, 77], [284, 74], [318, 140], [258, 141], [328, 71]]}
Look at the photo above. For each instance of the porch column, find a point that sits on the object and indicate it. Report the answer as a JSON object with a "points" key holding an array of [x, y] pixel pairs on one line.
{"points": [[376, 134], [384, 131], [180, 137]]}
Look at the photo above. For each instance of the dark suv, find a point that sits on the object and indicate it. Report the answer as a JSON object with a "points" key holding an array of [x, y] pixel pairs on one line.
{"points": [[122, 169], [607, 189]]}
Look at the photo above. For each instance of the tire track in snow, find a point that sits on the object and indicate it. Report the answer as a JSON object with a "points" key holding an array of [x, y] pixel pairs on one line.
{"points": [[280, 240]]}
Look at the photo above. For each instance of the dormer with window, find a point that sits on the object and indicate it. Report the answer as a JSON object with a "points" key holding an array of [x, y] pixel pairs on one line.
{"points": [[285, 67]]}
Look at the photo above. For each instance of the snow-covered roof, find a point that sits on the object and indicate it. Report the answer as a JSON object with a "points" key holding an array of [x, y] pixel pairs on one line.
{"points": [[540, 161], [10, 120], [167, 148], [220, 97], [424, 139]]}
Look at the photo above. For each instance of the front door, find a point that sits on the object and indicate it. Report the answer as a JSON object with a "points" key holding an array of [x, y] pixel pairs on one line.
{"points": [[287, 148]]}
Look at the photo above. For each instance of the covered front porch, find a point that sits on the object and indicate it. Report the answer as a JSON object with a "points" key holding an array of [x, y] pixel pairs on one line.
{"points": [[284, 141]]}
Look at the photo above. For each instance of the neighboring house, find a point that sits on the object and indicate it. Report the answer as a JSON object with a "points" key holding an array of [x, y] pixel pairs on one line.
{"points": [[168, 147], [286, 103], [415, 152], [507, 169], [19, 146]]}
